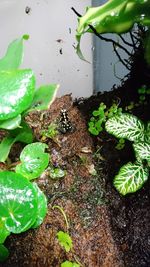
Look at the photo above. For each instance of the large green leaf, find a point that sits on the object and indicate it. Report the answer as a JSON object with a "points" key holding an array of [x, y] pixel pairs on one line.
{"points": [[11, 124], [44, 96], [130, 178], [114, 16], [18, 202], [33, 160], [42, 206], [14, 55], [142, 150], [16, 92], [126, 126]]}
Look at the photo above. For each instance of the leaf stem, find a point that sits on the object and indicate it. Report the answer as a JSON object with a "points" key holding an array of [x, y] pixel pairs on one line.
{"points": [[63, 213]]}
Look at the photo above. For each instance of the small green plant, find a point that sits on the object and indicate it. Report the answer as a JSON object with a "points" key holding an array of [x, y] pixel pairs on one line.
{"points": [[96, 123], [70, 264], [51, 132], [131, 176], [121, 144], [65, 240], [56, 172]]}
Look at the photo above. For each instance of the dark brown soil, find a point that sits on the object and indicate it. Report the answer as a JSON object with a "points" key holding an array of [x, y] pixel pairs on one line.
{"points": [[107, 230]]}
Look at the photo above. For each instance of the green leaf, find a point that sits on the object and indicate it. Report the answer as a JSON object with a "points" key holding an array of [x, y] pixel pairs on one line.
{"points": [[4, 253], [114, 16], [11, 124], [125, 126], [5, 147], [23, 134], [95, 113], [93, 131], [130, 178], [42, 206], [44, 96], [65, 240], [3, 232], [18, 202], [33, 160], [14, 55], [16, 92], [70, 264], [147, 133], [142, 150]]}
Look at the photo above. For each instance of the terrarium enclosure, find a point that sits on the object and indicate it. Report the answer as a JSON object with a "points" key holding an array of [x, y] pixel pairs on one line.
{"points": [[74, 133]]}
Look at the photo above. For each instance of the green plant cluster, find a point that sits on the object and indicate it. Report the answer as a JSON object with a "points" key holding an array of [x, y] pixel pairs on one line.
{"points": [[18, 96], [22, 203], [65, 240], [96, 123], [131, 176], [51, 132]]}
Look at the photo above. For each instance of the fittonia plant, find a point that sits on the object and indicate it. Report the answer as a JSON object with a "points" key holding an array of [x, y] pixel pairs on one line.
{"points": [[22, 203], [115, 16], [18, 95], [131, 176]]}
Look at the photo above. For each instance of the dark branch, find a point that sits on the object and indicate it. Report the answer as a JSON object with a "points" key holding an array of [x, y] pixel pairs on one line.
{"points": [[79, 15], [109, 40], [132, 39], [127, 43], [119, 57]]}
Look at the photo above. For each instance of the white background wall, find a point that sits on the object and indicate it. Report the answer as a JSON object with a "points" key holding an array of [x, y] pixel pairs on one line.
{"points": [[47, 22]]}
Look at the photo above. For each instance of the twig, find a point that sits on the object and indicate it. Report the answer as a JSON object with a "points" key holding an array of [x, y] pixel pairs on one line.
{"points": [[79, 15], [119, 57], [127, 43]]}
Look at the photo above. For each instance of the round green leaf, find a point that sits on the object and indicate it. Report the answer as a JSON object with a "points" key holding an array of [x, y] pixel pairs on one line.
{"points": [[16, 92], [34, 160], [42, 206], [18, 202]]}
